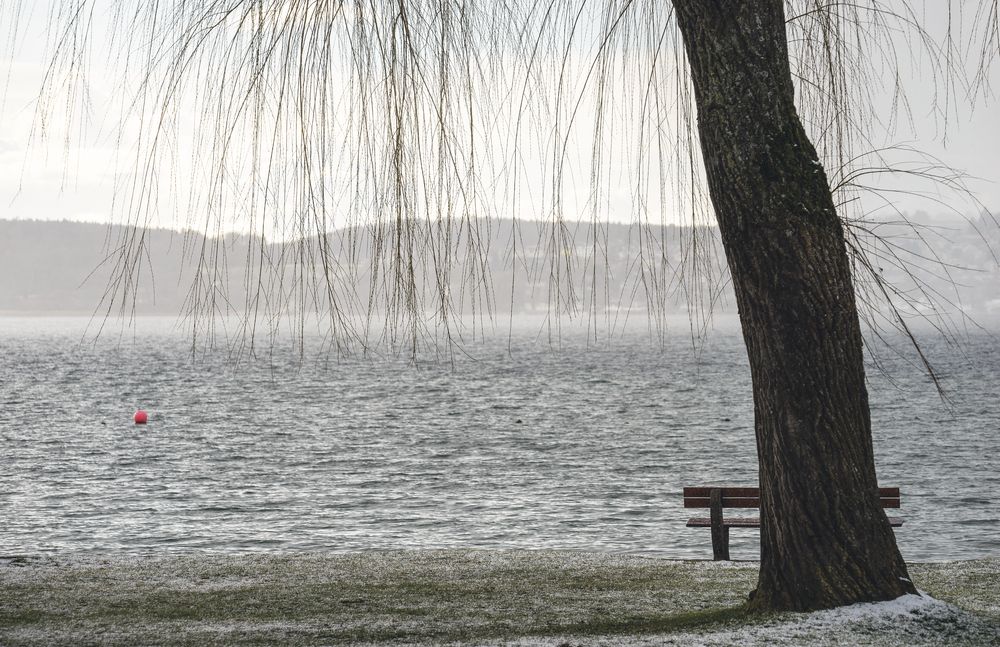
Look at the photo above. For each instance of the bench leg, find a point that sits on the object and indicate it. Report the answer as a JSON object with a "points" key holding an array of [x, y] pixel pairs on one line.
{"points": [[720, 533], [720, 544]]}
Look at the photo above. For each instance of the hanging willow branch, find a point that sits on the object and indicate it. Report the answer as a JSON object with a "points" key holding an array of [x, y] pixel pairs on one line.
{"points": [[384, 153]]}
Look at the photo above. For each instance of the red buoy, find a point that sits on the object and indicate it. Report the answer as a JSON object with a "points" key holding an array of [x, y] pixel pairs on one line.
{"points": [[140, 417]]}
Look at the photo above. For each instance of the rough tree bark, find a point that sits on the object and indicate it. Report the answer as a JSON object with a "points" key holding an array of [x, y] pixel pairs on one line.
{"points": [[825, 540]]}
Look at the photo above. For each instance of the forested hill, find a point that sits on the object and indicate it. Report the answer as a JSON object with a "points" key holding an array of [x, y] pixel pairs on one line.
{"points": [[64, 267], [67, 267]]}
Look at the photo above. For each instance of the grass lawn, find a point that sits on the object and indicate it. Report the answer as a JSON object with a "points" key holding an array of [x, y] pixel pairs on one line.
{"points": [[459, 596]]}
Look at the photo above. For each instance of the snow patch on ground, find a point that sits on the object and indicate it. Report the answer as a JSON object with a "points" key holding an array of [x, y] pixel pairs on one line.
{"points": [[910, 620]]}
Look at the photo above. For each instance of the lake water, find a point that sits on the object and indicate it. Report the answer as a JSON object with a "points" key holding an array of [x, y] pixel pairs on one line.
{"points": [[582, 448]]}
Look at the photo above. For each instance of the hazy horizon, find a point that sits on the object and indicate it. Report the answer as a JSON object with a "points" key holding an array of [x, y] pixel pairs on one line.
{"points": [[66, 268]]}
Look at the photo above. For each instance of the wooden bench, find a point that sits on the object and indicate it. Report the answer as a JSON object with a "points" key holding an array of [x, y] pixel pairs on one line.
{"points": [[717, 498]]}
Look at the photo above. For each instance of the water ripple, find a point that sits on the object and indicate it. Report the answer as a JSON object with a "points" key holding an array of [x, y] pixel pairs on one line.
{"points": [[576, 450]]}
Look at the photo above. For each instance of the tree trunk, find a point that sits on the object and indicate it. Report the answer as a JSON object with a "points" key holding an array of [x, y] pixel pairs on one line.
{"points": [[825, 540]]}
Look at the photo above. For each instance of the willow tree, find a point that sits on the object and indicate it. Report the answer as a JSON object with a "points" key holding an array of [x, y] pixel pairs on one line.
{"points": [[824, 538], [411, 124]]}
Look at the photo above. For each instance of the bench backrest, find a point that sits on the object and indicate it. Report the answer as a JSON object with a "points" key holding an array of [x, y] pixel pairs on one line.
{"points": [[749, 497]]}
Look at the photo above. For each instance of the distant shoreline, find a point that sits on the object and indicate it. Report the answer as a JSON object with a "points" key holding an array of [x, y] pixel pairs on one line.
{"points": [[677, 324], [52, 268]]}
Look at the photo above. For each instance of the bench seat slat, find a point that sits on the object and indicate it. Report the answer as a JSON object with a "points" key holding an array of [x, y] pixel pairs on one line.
{"points": [[753, 522], [732, 522]]}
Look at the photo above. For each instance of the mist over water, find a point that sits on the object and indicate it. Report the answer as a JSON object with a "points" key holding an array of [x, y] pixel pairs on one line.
{"points": [[517, 446]]}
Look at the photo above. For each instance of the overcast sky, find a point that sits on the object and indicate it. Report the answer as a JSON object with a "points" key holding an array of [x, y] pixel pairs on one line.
{"points": [[73, 175]]}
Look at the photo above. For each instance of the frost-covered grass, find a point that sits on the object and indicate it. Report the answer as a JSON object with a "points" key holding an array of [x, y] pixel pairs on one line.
{"points": [[470, 597]]}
